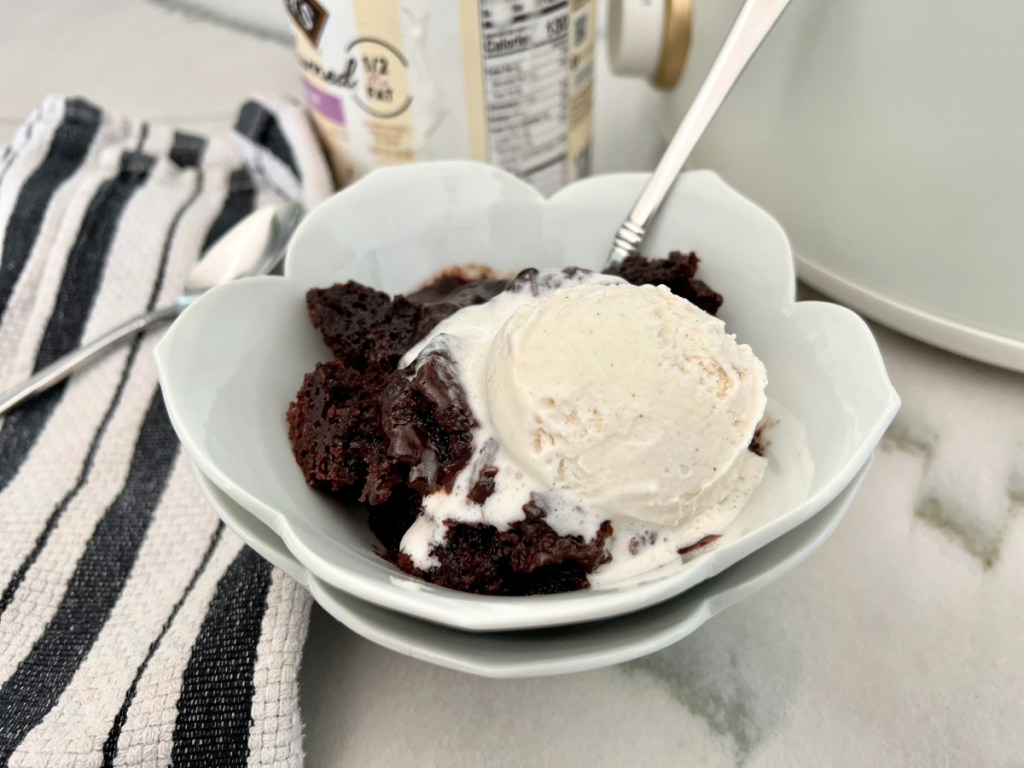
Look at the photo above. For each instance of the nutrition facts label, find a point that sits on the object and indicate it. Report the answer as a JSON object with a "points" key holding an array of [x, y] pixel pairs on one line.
{"points": [[537, 65], [507, 82]]}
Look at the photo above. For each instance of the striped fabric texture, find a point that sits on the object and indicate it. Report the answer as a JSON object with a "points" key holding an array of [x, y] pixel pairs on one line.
{"points": [[134, 629]]}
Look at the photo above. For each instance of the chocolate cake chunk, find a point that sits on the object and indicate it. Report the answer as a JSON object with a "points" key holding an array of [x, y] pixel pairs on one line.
{"points": [[484, 474], [390, 519], [363, 326], [335, 421], [426, 421], [677, 272], [756, 442], [454, 293], [529, 558], [332, 425], [711, 538]]}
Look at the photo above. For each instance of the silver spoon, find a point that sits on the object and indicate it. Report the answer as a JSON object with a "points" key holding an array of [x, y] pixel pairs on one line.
{"points": [[755, 21], [254, 246]]}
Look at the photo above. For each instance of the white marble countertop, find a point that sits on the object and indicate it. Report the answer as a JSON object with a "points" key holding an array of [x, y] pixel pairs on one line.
{"points": [[897, 643]]}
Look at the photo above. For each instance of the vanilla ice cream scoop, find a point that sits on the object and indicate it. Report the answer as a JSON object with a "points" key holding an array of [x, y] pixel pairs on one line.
{"points": [[597, 400], [630, 400]]}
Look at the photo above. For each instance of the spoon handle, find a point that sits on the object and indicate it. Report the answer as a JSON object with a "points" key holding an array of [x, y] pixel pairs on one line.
{"points": [[64, 366], [755, 21]]}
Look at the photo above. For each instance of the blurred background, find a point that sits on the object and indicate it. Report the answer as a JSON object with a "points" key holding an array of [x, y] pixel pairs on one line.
{"points": [[883, 136]]}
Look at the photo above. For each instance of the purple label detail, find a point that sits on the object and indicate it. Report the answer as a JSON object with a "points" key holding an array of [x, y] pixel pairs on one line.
{"points": [[327, 105]]}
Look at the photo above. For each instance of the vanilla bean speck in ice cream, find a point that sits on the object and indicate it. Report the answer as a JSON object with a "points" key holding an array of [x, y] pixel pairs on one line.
{"points": [[559, 430]]}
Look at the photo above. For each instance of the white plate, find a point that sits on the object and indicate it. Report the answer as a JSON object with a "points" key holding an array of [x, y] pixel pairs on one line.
{"points": [[965, 336], [234, 360], [557, 650]]}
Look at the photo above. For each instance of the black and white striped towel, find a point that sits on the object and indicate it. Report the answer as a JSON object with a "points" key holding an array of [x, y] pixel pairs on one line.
{"points": [[134, 630]]}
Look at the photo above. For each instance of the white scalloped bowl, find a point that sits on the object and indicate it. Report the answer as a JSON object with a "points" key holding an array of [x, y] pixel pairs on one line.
{"points": [[555, 650], [234, 360]]}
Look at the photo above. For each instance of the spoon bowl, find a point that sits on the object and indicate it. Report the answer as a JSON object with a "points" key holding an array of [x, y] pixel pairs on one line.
{"points": [[254, 246]]}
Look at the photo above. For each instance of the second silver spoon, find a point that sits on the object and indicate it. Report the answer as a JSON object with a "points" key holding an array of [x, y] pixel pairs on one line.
{"points": [[254, 246]]}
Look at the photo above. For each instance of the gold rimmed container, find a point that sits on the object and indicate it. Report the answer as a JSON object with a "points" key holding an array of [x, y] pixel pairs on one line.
{"points": [[650, 39]]}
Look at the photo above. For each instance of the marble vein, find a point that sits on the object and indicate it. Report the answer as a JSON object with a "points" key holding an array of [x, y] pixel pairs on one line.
{"points": [[739, 681], [979, 528], [973, 496]]}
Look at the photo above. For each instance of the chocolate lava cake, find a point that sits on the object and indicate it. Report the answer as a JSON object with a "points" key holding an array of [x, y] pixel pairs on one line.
{"points": [[365, 431]]}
